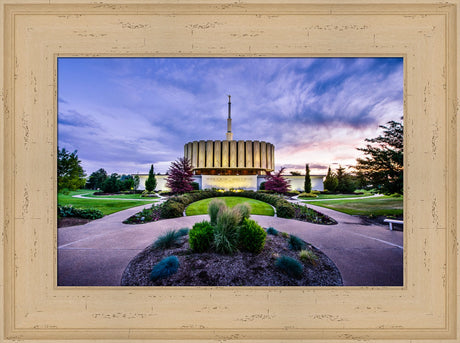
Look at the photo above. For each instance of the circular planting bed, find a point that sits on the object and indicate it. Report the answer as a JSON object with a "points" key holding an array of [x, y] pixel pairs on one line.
{"points": [[284, 261]]}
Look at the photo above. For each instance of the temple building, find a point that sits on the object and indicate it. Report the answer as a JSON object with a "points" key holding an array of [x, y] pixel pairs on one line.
{"points": [[233, 164]]}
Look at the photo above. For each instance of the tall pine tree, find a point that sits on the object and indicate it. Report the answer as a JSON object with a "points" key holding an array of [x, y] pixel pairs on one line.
{"points": [[307, 184], [330, 182], [151, 182]]}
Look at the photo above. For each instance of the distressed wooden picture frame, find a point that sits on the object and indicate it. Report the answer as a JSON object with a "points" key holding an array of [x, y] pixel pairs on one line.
{"points": [[35, 34]]}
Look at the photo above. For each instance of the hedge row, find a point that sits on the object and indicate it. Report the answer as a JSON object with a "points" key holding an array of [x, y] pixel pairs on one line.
{"points": [[174, 207], [86, 213]]}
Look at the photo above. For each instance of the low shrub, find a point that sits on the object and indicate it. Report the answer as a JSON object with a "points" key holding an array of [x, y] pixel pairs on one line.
{"points": [[292, 193], [295, 243], [182, 232], [289, 266], [213, 209], [262, 186], [172, 209], [226, 232], [166, 241], [251, 236], [308, 256], [306, 214], [242, 210], [284, 209], [396, 195], [316, 192], [195, 186], [201, 236], [308, 195], [272, 231], [85, 213], [166, 267], [284, 235]]}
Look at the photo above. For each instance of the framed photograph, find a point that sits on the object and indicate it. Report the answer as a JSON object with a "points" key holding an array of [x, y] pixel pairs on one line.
{"points": [[36, 36]]}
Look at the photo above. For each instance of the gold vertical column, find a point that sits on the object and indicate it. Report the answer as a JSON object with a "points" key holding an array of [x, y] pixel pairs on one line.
{"points": [[189, 151], [202, 154], [256, 148], [263, 155], [217, 154], [209, 154], [273, 157], [195, 154], [225, 159], [269, 156], [241, 157], [233, 153], [249, 154]]}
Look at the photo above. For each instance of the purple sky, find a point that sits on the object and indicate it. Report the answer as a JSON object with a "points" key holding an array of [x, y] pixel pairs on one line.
{"points": [[123, 114]]}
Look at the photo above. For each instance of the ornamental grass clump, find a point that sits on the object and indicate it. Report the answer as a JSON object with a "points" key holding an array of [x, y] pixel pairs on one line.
{"points": [[182, 232], [213, 209], [201, 236], [252, 236], [289, 266], [166, 267], [272, 231], [295, 243], [243, 210], [308, 256], [166, 241], [226, 231]]}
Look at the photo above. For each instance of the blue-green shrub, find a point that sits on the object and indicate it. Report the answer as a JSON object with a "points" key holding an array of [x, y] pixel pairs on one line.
{"points": [[295, 243], [166, 267], [201, 236], [252, 236], [166, 241], [289, 266], [272, 231], [182, 232]]}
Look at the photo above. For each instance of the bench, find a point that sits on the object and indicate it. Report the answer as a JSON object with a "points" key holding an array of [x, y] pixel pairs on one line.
{"points": [[393, 221]]}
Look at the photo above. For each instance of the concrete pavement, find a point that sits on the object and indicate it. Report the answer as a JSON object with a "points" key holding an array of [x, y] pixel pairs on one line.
{"points": [[96, 254]]}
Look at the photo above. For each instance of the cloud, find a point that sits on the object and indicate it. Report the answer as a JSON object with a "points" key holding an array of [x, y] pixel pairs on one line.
{"points": [[128, 113]]}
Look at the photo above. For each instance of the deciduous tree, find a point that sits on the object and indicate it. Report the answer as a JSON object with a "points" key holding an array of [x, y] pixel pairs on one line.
{"points": [[96, 179], [180, 176], [70, 174], [276, 182]]}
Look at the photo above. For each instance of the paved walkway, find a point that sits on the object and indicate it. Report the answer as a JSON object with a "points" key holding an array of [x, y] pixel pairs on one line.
{"points": [[96, 254]]}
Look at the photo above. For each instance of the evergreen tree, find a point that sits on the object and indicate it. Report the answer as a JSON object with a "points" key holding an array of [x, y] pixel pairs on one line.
{"points": [[180, 176], [151, 182], [307, 184], [383, 165], [277, 183], [70, 174], [345, 183], [330, 182], [112, 184]]}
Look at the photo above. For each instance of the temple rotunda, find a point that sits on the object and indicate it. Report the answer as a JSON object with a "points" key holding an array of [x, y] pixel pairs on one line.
{"points": [[229, 163]]}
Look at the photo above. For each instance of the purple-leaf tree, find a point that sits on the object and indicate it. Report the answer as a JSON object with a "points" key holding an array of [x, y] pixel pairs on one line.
{"points": [[180, 176], [277, 183]]}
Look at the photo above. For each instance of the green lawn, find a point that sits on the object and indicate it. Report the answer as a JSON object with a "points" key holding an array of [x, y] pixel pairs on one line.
{"points": [[106, 206], [336, 196], [381, 206], [257, 207]]}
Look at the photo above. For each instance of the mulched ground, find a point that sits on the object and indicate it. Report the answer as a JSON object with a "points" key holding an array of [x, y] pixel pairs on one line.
{"points": [[241, 269], [69, 221]]}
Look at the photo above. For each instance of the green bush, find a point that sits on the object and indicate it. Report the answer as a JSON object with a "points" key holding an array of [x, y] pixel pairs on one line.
{"points": [[226, 232], [316, 192], [284, 209], [213, 209], [166, 267], [289, 266], [251, 236], [262, 186], [172, 209], [166, 241], [195, 186], [292, 193], [295, 243], [201, 236], [242, 210], [85, 213], [308, 256], [272, 231]]}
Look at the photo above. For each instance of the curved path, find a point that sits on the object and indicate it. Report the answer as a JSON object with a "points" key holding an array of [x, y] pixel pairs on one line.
{"points": [[96, 254]]}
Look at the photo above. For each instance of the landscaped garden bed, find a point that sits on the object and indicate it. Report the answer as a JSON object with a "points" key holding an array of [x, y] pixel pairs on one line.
{"points": [[230, 250], [175, 206]]}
